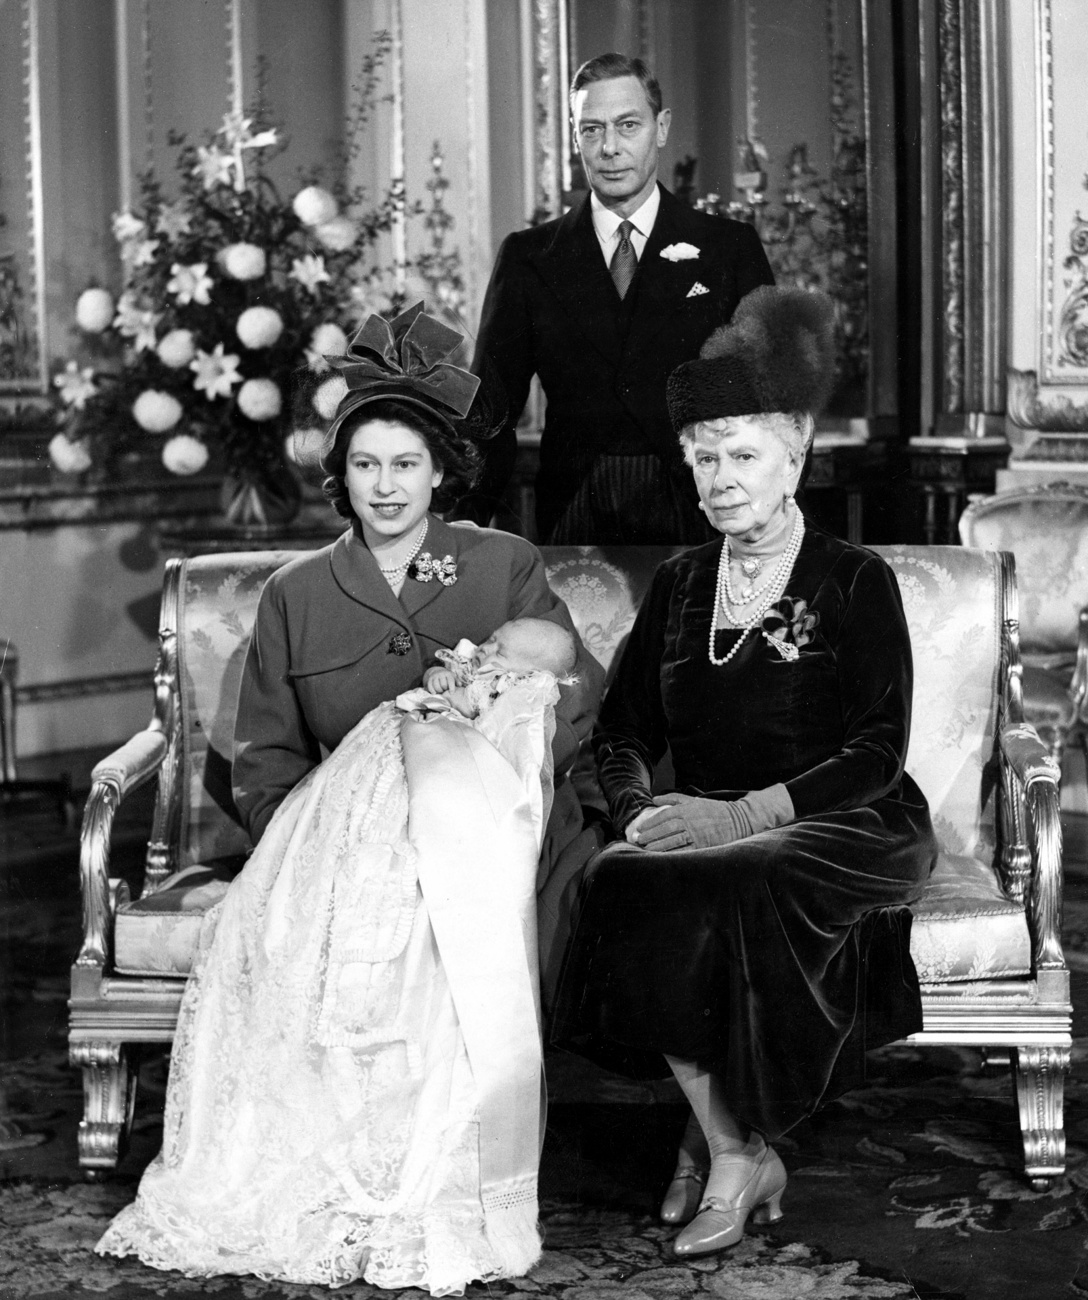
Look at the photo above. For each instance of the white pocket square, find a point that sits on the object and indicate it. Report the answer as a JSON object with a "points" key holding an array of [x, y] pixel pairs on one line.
{"points": [[696, 289], [680, 252]]}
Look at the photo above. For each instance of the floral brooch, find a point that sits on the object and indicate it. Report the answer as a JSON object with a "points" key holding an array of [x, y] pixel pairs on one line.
{"points": [[680, 252], [425, 567], [788, 625]]}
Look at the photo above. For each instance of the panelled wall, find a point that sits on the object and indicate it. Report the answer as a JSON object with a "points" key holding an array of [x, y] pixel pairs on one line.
{"points": [[115, 76]]}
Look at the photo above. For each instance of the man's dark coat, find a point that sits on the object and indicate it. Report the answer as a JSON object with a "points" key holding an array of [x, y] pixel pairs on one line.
{"points": [[551, 308]]}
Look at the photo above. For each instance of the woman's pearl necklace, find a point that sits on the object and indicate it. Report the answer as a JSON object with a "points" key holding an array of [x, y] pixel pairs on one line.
{"points": [[400, 571], [772, 589]]}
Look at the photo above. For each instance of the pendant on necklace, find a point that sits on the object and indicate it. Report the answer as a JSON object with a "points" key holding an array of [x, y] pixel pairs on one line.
{"points": [[750, 567]]}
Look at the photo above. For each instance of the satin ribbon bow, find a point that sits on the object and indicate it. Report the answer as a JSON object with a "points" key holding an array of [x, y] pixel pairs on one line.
{"points": [[405, 357]]}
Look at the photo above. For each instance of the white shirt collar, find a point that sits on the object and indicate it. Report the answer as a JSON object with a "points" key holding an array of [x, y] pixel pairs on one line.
{"points": [[606, 222]]}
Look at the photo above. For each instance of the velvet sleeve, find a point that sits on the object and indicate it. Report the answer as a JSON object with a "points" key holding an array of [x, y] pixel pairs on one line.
{"points": [[876, 679], [273, 746], [630, 737], [531, 597], [504, 347]]}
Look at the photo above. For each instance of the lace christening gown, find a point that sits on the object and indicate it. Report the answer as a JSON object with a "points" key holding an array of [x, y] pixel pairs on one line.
{"points": [[337, 1105]]}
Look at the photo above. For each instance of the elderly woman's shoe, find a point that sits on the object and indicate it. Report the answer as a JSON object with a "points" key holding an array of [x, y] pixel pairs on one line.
{"points": [[720, 1223], [682, 1197]]}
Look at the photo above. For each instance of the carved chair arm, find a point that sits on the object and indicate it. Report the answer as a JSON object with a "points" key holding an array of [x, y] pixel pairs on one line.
{"points": [[114, 777], [1078, 687], [1037, 777]]}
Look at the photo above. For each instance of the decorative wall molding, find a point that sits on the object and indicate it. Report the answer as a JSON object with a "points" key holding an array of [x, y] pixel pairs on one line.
{"points": [[966, 218], [26, 365], [1063, 224], [549, 98], [80, 688], [950, 90], [1032, 407]]}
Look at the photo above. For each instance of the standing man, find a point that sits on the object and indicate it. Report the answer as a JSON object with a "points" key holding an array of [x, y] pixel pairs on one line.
{"points": [[603, 303]]}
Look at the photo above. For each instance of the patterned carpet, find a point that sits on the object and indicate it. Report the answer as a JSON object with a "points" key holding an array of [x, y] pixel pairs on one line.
{"points": [[909, 1187]]}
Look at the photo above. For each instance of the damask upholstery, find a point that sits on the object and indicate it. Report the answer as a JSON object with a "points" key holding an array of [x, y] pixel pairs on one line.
{"points": [[959, 933], [970, 928], [1046, 527]]}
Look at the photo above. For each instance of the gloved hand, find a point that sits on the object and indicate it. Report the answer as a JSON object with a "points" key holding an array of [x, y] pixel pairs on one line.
{"points": [[682, 821]]}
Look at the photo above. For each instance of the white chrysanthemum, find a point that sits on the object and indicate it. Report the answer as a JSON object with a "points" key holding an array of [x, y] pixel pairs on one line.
{"points": [[243, 261], [329, 395], [304, 447], [327, 340], [338, 234], [177, 348], [155, 411], [94, 310], [260, 399], [69, 457], [184, 454], [259, 327], [314, 206]]}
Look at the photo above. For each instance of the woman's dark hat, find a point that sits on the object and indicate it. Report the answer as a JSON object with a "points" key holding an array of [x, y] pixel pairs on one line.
{"points": [[407, 359], [776, 354]]}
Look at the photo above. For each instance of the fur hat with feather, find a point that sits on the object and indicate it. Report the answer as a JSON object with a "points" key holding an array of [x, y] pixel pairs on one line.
{"points": [[776, 354]]}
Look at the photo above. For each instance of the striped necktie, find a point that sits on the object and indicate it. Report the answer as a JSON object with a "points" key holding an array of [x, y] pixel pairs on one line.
{"points": [[624, 262]]}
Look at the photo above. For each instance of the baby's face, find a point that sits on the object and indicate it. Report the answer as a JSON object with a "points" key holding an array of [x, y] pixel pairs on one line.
{"points": [[507, 647]]}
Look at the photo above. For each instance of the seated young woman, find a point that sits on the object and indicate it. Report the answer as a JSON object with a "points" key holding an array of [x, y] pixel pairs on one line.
{"points": [[355, 1085], [749, 930]]}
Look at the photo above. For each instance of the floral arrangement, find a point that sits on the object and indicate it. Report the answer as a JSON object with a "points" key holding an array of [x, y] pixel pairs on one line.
{"points": [[232, 299]]}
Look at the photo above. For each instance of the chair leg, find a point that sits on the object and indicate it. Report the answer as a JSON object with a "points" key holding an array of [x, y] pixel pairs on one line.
{"points": [[109, 1098], [1040, 1083]]}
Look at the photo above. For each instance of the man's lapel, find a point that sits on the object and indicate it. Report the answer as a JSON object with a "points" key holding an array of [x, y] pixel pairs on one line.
{"points": [[573, 267], [662, 286]]}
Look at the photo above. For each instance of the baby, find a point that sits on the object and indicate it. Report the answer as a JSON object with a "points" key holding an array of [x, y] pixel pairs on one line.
{"points": [[472, 676]]}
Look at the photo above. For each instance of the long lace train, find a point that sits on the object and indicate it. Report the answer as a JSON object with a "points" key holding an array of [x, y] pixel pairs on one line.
{"points": [[322, 1118]]}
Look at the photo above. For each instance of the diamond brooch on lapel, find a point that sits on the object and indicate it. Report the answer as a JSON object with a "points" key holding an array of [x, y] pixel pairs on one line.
{"points": [[399, 644], [680, 252], [425, 567], [696, 289]]}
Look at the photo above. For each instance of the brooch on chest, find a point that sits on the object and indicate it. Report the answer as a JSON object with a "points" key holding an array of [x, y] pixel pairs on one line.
{"points": [[425, 567], [399, 644]]}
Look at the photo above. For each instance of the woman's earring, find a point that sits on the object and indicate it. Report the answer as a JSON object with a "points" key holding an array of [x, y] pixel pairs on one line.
{"points": [[788, 500]]}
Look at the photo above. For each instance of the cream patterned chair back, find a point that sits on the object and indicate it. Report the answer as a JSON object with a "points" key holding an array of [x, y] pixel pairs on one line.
{"points": [[217, 606], [1046, 528], [951, 596], [953, 600]]}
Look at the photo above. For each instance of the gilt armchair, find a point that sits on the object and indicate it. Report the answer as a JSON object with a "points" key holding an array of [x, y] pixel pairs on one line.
{"points": [[1046, 527], [985, 937]]}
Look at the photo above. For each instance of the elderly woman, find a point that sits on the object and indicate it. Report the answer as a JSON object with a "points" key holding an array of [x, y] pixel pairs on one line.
{"points": [[750, 928], [355, 1081]]}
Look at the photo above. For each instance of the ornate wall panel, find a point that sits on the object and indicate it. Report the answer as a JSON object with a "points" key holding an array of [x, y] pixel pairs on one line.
{"points": [[967, 217], [23, 347], [1062, 54]]}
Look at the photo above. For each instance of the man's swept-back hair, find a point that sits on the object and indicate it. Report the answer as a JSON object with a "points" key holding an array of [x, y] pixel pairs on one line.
{"points": [[607, 67]]}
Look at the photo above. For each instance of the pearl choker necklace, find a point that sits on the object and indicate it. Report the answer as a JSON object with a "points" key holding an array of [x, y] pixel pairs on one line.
{"points": [[400, 571], [772, 589]]}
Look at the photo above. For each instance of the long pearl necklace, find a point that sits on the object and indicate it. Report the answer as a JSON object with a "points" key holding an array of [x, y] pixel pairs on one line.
{"points": [[772, 588], [399, 572]]}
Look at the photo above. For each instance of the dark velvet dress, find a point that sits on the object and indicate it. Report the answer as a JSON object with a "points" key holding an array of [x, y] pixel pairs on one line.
{"points": [[775, 961]]}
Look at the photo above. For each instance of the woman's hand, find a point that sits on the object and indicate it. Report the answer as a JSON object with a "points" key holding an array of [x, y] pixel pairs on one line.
{"points": [[632, 829], [682, 821]]}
